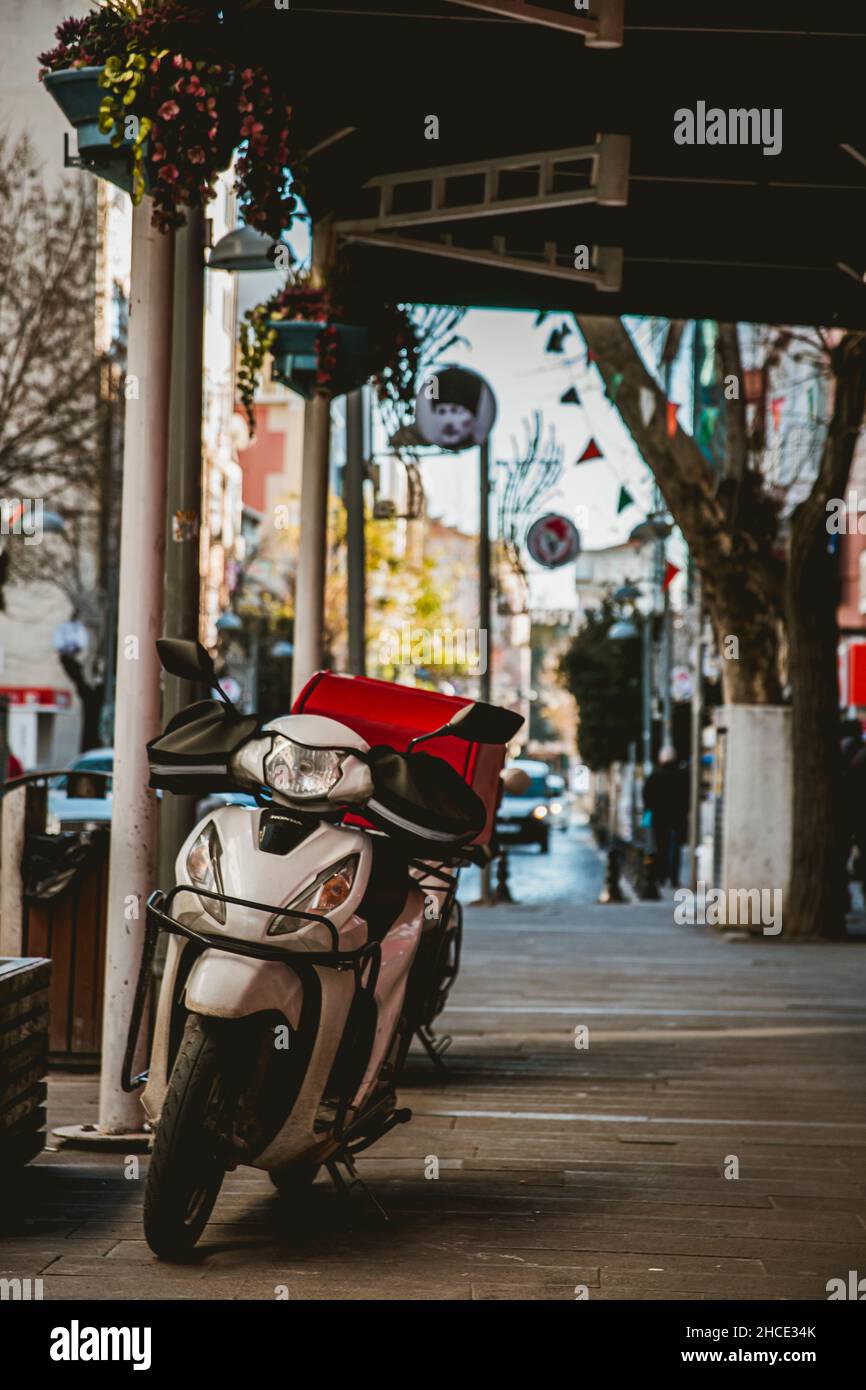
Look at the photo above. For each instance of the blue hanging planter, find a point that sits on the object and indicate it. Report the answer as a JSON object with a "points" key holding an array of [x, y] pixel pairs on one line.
{"points": [[78, 94], [296, 356]]}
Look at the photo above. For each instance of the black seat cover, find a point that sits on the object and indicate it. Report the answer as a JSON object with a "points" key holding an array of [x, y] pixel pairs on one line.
{"points": [[424, 793]]}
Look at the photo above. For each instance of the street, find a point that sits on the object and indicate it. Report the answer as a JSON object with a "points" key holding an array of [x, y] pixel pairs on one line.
{"points": [[564, 1171]]}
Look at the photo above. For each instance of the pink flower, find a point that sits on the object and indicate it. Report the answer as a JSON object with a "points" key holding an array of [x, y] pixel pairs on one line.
{"points": [[169, 173], [168, 111]]}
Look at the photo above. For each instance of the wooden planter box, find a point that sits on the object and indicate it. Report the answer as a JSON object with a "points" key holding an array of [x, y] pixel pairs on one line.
{"points": [[78, 94], [70, 929], [24, 1001], [296, 356]]}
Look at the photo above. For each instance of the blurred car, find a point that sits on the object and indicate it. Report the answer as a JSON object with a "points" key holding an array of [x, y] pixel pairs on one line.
{"points": [[67, 812], [526, 819]]}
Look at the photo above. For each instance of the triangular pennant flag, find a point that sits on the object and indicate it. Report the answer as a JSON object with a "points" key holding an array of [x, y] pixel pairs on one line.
{"points": [[614, 385], [590, 356], [592, 451], [570, 398], [776, 407], [554, 342], [671, 571], [647, 404], [709, 416], [672, 418], [625, 500]]}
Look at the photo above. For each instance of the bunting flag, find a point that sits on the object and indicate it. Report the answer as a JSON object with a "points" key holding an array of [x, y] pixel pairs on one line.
{"points": [[810, 396], [557, 338], [672, 418], [592, 451], [570, 398], [707, 426], [671, 572], [709, 335], [776, 408], [647, 404], [625, 500], [614, 385], [590, 356]]}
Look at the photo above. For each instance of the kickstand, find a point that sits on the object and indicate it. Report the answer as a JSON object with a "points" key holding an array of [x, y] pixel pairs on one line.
{"points": [[433, 1046], [355, 1181]]}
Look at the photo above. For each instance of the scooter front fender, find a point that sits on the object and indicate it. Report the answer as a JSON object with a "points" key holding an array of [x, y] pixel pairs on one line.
{"points": [[231, 986]]}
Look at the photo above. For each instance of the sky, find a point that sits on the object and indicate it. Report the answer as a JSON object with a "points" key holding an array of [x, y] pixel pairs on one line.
{"points": [[508, 349]]}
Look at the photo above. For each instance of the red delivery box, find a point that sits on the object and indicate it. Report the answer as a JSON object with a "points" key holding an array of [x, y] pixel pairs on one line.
{"points": [[385, 712]]}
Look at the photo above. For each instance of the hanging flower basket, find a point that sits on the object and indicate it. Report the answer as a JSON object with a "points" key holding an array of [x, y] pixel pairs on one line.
{"points": [[160, 103], [78, 94], [335, 357], [328, 339]]}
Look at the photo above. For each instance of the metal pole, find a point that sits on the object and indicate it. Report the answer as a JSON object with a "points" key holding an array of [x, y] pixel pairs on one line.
{"points": [[310, 584], [647, 687], [696, 740], [182, 581], [484, 566], [353, 499], [484, 602], [132, 864]]}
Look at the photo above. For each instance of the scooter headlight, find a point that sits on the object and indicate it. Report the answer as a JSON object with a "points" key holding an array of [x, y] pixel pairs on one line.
{"points": [[305, 774], [203, 867], [540, 812], [330, 890]]}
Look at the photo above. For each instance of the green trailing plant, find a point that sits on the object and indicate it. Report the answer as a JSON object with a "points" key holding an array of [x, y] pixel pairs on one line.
{"points": [[182, 105]]}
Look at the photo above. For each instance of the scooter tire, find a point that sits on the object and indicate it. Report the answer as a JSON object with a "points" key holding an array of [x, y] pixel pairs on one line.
{"points": [[186, 1169]]}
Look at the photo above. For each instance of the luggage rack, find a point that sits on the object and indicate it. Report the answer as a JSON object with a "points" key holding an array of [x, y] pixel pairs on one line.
{"points": [[159, 919]]}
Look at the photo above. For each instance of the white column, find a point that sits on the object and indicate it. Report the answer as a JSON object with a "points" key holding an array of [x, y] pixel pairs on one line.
{"points": [[310, 583], [132, 866]]}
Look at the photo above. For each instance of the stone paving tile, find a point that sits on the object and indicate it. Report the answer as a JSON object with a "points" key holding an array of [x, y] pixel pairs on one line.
{"points": [[762, 1042]]}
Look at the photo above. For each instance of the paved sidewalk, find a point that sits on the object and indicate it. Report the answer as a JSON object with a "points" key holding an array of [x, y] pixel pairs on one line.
{"points": [[558, 1166]]}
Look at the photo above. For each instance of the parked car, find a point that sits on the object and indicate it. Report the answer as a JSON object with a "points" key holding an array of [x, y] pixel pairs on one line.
{"points": [[67, 812], [526, 819]]}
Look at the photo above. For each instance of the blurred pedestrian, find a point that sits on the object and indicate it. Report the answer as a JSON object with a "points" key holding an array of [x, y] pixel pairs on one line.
{"points": [[666, 797]]}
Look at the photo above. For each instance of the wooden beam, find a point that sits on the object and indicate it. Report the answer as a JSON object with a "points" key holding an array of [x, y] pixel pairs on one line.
{"points": [[608, 275], [603, 32]]}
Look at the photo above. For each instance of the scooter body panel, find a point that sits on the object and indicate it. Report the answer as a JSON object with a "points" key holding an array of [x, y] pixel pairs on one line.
{"points": [[231, 986]]}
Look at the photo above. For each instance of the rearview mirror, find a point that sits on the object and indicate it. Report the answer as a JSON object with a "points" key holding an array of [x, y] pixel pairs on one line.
{"points": [[190, 661], [478, 723], [481, 723]]}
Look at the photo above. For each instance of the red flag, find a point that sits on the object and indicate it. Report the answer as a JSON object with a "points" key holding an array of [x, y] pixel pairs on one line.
{"points": [[672, 418], [776, 407], [592, 451], [671, 571]]}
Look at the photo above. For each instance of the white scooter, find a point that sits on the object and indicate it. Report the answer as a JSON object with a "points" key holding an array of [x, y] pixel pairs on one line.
{"points": [[280, 1023]]}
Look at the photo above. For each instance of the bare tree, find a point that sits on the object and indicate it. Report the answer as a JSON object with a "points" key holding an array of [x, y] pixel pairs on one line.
{"points": [[58, 431], [779, 599], [533, 471]]}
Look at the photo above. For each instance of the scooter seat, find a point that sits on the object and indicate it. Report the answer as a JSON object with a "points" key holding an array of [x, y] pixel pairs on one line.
{"points": [[420, 796]]}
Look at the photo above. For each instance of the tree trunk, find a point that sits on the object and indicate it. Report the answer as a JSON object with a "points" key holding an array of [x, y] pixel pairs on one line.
{"points": [[91, 697], [741, 573], [816, 898]]}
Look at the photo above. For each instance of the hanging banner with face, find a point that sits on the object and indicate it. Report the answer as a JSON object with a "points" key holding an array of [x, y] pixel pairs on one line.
{"points": [[455, 409], [553, 540]]}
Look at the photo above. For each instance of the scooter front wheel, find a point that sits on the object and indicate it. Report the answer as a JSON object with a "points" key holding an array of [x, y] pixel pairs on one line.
{"points": [[187, 1165]]}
